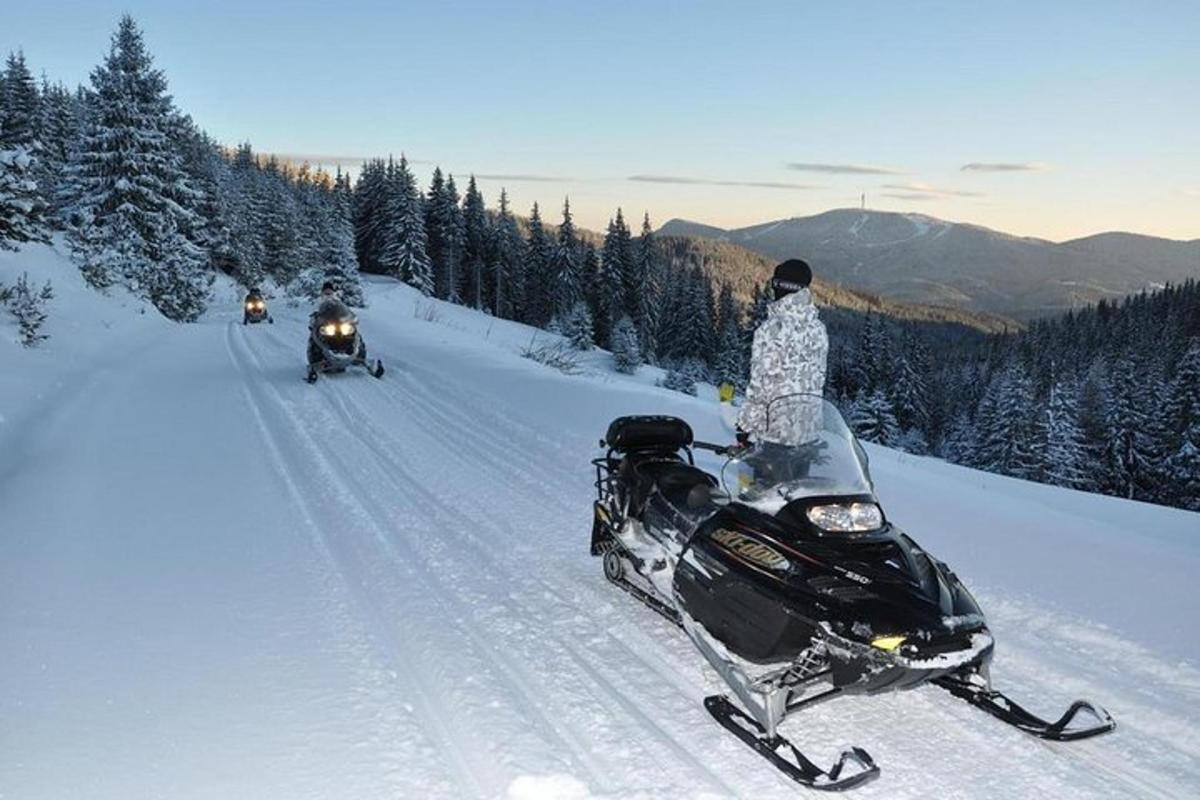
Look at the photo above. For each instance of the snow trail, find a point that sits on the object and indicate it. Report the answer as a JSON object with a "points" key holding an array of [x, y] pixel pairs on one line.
{"points": [[381, 588]]}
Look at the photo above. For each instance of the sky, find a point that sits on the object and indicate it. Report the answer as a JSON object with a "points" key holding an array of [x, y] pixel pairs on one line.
{"points": [[1054, 120]]}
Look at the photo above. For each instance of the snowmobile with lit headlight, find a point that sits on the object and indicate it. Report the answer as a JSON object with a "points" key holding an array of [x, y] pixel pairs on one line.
{"points": [[790, 580], [334, 342], [254, 309]]}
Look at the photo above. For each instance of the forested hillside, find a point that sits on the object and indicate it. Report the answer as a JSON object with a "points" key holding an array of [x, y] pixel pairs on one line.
{"points": [[1105, 399]]}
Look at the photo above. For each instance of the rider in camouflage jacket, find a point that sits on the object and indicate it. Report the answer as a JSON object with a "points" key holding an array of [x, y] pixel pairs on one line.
{"points": [[788, 358]]}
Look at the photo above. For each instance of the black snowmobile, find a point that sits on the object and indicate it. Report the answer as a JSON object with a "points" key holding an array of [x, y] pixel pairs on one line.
{"points": [[255, 309], [790, 580], [334, 342]]}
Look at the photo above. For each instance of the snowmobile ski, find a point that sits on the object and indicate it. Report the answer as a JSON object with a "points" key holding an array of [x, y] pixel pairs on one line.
{"points": [[853, 768], [1006, 710]]}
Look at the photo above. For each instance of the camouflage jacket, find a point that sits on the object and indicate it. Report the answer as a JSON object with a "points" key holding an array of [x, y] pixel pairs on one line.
{"points": [[790, 350]]}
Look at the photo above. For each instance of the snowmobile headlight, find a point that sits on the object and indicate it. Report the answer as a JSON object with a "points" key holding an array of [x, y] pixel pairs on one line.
{"points": [[846, 517], [346, 328], [888, 643], [329, 329], [250, 306]]}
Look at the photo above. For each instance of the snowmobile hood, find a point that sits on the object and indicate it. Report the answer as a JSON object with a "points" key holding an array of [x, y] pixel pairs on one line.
{"points": [[862, 585]]}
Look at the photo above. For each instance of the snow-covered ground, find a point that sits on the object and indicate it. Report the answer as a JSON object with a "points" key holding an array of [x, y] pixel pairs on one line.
{"points": [[217, 581]]}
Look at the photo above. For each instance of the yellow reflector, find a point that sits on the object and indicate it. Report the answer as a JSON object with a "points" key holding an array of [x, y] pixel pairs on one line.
{"points": [[888, 643]]}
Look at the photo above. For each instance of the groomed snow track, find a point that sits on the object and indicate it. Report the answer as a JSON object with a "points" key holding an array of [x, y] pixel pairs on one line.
{"points": [[369, 588]]}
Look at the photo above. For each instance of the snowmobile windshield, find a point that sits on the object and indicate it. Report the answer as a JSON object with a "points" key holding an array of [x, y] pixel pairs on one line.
{"points": [[334, 311], [807, 451]]}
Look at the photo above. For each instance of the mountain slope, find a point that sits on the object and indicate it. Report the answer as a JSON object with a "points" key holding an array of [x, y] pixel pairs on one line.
{"points": [[217, 581], [915, 258], [745, 271]]}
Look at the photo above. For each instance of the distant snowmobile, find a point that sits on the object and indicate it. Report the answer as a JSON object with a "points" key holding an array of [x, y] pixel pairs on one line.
{"points": [[255, 309], [791, 582], [334, 342]]}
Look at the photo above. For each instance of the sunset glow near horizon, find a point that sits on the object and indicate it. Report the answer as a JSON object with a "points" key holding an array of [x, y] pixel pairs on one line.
{"points": [[1054, 122]]}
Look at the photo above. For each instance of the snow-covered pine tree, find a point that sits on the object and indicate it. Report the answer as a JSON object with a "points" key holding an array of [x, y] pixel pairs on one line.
{"points": [[509, 265], [281, 225], [1132, 456], [1008, 440], [21, 205], [57, 130], [873, 419], [909, 394], [131, 200], [539, 304], [568, 288], [21, 104], [730, 365], [445, 236], [627, 355], [683, 377], [1183, 468], [28, 307], [404, 253], [576, 326], [1182, 408], [371, 192], [959, 442], [610, 290], [339, 262], [648, 277], [1064, 454], [475, 247], [245, 196]]}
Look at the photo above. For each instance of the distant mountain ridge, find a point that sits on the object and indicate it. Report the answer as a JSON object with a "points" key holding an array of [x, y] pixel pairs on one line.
{"points": [[916, 258], [744, 270]]}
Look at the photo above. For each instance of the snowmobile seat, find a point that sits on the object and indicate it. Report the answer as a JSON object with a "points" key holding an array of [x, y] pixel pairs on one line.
{"points": [[674, 479], [648, 434]]}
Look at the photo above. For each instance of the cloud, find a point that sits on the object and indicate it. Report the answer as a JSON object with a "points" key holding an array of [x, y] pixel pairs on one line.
{"points": [[524, 178], [913, 188], [1191, 191], [910, 196], [1003, 166], [706, 182], [843, 169], [326, 160]]}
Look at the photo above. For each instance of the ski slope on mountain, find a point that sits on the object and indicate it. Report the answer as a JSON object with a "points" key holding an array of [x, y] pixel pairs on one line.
{"points": [[217, 581]]}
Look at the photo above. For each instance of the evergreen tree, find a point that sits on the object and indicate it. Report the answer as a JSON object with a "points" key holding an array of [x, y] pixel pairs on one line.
{"points": [[19, 123], [1183, 468], [509, 266], [576, 326], [57, 130], [616, 267], [338, 260], [626, 353], [475, 246], [370, 211], [404, 253], [648, 277], [20, 203], [568, 288], [1064, 455], [872, 418], [539, 304], [1008, 442], [130, 196]]}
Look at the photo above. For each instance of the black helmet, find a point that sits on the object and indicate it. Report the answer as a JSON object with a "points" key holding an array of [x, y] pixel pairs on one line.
{"points": [[791, 276], [328, 287]]}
